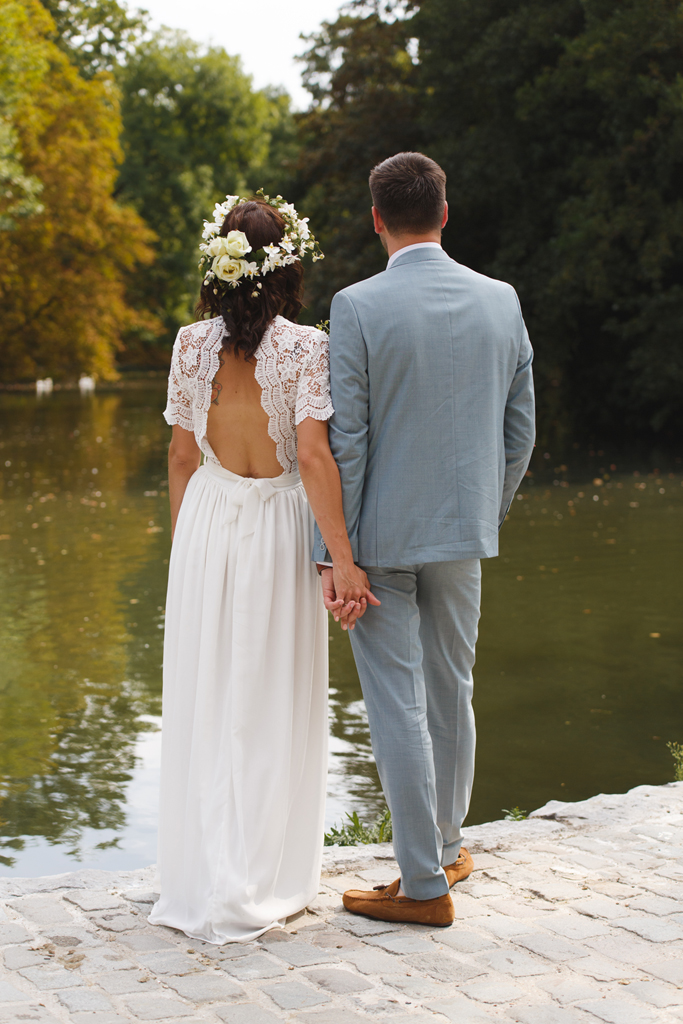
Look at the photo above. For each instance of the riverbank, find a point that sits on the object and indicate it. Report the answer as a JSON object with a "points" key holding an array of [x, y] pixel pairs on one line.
{"points": [[571, 917]]}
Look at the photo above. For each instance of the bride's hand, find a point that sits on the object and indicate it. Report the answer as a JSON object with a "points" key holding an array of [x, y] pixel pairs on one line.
{"points": [[352, 586]]}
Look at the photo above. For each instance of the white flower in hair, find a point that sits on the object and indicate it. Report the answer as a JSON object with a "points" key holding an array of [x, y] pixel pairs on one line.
{"points": [[228, 269]]}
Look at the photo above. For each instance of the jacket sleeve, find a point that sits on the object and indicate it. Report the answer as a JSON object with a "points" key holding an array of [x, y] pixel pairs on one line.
{"points": [[349, 423], [519, 428]]}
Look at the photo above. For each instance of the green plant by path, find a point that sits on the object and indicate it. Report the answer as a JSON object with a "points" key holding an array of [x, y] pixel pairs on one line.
{"points": [[515, 814], [677, 754], [355, 833]]}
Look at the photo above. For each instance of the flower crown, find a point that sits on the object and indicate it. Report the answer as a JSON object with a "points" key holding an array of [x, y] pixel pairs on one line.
{"points": [[223, 257]]}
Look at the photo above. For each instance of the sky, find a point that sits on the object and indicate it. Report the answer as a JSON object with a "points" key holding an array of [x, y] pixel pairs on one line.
{"points": [[265, 33]]}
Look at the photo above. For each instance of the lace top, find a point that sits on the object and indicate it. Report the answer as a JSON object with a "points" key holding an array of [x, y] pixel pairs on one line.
{"points": [[292, 370]]}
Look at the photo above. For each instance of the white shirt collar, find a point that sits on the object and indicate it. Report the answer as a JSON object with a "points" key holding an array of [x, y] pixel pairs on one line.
{"points": [[409, 248]]}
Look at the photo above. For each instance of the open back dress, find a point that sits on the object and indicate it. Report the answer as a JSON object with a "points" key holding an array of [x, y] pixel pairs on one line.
{"points": [[244, 740]]}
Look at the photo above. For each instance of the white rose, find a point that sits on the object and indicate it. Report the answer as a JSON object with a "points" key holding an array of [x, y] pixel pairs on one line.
{"points": [[218, 247], [238, 244], [227, 268]]}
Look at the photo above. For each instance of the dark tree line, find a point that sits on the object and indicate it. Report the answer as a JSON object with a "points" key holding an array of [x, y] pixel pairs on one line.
{"points": [[560, 126]]}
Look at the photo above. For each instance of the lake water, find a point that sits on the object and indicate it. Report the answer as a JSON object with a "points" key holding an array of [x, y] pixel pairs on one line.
{"points": [[578, 675]]}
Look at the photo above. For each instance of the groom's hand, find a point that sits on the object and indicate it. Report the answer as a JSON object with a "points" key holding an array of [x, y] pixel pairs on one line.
{"points": [[352, 585], [332, 604]]}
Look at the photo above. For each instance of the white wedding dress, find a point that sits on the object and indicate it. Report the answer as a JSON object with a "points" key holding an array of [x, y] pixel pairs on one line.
{"points": [[244, 740]]}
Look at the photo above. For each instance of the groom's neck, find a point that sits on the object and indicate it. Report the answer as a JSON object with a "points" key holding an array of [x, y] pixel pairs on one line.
{"points": [[393, 243]]}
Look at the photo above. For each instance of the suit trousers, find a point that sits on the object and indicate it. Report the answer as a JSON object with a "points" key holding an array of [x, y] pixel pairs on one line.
{"points": [[414, 656]]}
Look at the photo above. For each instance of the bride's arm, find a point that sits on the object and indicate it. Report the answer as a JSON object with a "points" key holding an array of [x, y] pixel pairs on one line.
{"points": [[184, 458], [320, 478]]}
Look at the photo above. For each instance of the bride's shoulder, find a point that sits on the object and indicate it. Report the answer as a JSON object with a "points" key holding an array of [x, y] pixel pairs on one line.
{"points": [[200, 333], [302, 334]]}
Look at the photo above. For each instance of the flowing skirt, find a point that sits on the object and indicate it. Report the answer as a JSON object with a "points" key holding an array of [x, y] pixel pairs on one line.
{"points": [[244, 740]]}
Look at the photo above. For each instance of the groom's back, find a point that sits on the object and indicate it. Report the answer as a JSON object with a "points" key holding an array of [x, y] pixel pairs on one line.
{"points": [[423, 357]]}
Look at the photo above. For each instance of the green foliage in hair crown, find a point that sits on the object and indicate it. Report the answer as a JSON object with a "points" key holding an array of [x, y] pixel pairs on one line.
{"points": [[224, 257]]}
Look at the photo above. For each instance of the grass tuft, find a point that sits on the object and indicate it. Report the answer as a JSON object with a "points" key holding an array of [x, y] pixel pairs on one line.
{"points": [[677, 754], [515, 814], [355, 833]]}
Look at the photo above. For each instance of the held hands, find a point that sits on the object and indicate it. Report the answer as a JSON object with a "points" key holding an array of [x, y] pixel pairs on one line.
{"points": [[346, 593]]}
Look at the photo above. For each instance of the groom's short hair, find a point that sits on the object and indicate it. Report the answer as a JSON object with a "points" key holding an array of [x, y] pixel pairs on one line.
{"points": [[409, 191]]}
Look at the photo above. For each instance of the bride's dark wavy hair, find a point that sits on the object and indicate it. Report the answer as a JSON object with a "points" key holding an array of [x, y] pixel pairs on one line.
{"points": [[246, 317]]}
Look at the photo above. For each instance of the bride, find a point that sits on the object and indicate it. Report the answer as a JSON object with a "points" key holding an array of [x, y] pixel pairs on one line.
{"points": [[244, 753]]}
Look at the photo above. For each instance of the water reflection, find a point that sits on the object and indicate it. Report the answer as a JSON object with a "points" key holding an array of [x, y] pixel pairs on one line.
{"points": [[578, 672]]}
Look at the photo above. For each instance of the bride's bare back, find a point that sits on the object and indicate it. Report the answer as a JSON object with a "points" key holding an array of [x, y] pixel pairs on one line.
{"points": [[237, 425]]}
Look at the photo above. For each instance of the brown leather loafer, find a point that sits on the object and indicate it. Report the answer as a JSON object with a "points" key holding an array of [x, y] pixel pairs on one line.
{"points": [[384, 904], [460, 868]]}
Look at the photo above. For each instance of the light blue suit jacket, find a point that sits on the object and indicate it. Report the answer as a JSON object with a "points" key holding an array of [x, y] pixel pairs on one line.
{"points": [[433, 428]]}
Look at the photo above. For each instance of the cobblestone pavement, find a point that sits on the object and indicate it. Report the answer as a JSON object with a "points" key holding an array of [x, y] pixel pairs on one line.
{"points": [[575, 915]]}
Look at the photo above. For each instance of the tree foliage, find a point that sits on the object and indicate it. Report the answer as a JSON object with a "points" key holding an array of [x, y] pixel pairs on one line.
{"points": [[194, 130], [560, 127], [62, 271], [96, 35]]}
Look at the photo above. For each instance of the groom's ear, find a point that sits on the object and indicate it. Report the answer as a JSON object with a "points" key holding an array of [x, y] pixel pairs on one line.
{"points": [[444, 222], [379, 223]]}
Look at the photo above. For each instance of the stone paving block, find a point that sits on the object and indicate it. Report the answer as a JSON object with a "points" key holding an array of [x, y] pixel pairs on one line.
{"points": [[293, 995], [229, 951], [373, 961], [251, 968], [622, 946], [569, 990], [145, 941], [156, 1007], [84, 1000], [13, 933], [504, 927], [556, 890], [99, 1017], [484, 887], [658, 905], [206, 988], [549, 1015], [49, 977], [654, 929], [334, 938], [466, 941], [299, 954], [416, 988], [363, 925], [116, 922], [26, 1014], [602, 969], [245, 1013], [574, 926], [515, 963], [121, 983], [103, 960], [656, 993], [600, 907], [331, 1016], [620, 1011], [90, 900], [339, 982], [491, 991], [405, 943], [667, 970], [171, 962], [461, 1011], [21, 956], [553, 947], [533, 906], [340, 883], [42, 910], [443, 966], [10, 994]]}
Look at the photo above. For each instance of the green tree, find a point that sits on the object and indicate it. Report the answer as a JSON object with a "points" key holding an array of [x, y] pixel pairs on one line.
{"points": [[194, 130], [23, 64], [363, 81], [96, 35], [63, 306], [561, 129]]}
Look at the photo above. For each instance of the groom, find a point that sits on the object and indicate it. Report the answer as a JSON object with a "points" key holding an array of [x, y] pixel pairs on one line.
{"points": [[433, 429]]}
